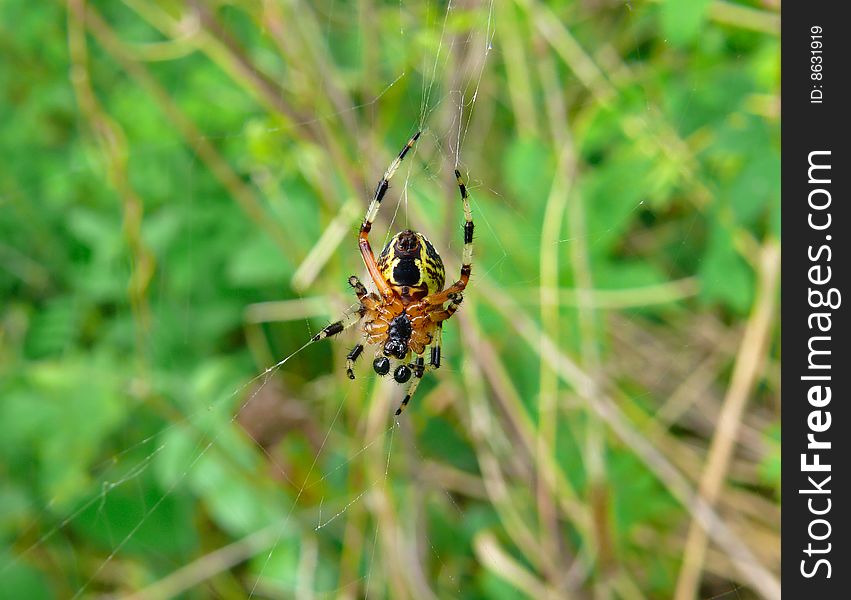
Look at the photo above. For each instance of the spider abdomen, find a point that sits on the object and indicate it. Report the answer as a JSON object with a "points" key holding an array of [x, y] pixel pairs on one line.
{"points": [[411, 266]]}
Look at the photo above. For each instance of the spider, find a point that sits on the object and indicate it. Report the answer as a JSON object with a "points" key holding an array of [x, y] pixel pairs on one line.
{"points": [[405, 315]]}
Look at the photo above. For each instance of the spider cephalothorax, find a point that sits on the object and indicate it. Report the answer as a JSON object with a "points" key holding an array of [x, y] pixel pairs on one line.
{"points": [[405, 314], [398, 336]]}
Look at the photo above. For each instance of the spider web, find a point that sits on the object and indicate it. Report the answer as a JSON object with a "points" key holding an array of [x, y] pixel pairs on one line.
{"points": [[441, 149], [126, 468]]}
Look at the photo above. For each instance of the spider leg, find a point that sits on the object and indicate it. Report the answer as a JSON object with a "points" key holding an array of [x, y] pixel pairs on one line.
{"points": [[455, 301], [419, 369], [353, 356], [434, 363], [467, 257], [360, 289], [350, 317], [363, 238]]}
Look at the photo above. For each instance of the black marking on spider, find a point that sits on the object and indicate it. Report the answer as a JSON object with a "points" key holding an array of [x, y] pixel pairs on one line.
{"points": [[419, 367], [435, 357], [468, 232], [402, 406], [409, 145], [355, 352], [359, 288], [332, 329], [406, 272], [381, 189], [432, 253]]}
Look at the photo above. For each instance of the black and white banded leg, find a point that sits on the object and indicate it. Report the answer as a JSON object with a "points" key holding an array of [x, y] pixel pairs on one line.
{"points": [[466, 257], [353, 355], [360, 289], [418, 367], [434, 361], [381, 285], [350, 317], [455, 301], [384, 184]]}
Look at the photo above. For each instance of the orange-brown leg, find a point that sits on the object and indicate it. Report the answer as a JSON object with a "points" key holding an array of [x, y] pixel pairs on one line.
{"points": [[363, 238], [438, 316]]}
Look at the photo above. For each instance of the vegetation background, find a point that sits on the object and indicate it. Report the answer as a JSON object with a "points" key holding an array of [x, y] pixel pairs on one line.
{"points": [[180, 191]]}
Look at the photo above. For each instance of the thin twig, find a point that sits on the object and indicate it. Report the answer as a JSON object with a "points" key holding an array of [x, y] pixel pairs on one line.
{"points": [[742, 558]]}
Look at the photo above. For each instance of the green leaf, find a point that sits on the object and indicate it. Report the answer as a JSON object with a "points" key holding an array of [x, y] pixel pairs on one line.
{"points": [[23, 581], [258, 261], [278, 567], [529, 168], [612, 194], [494, 587], [139, 515], [724, 275], [682, 19], [756, 187], [54, 328]]}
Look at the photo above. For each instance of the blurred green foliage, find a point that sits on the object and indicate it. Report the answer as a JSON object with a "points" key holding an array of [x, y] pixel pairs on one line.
{"points": [[131, 250]]}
